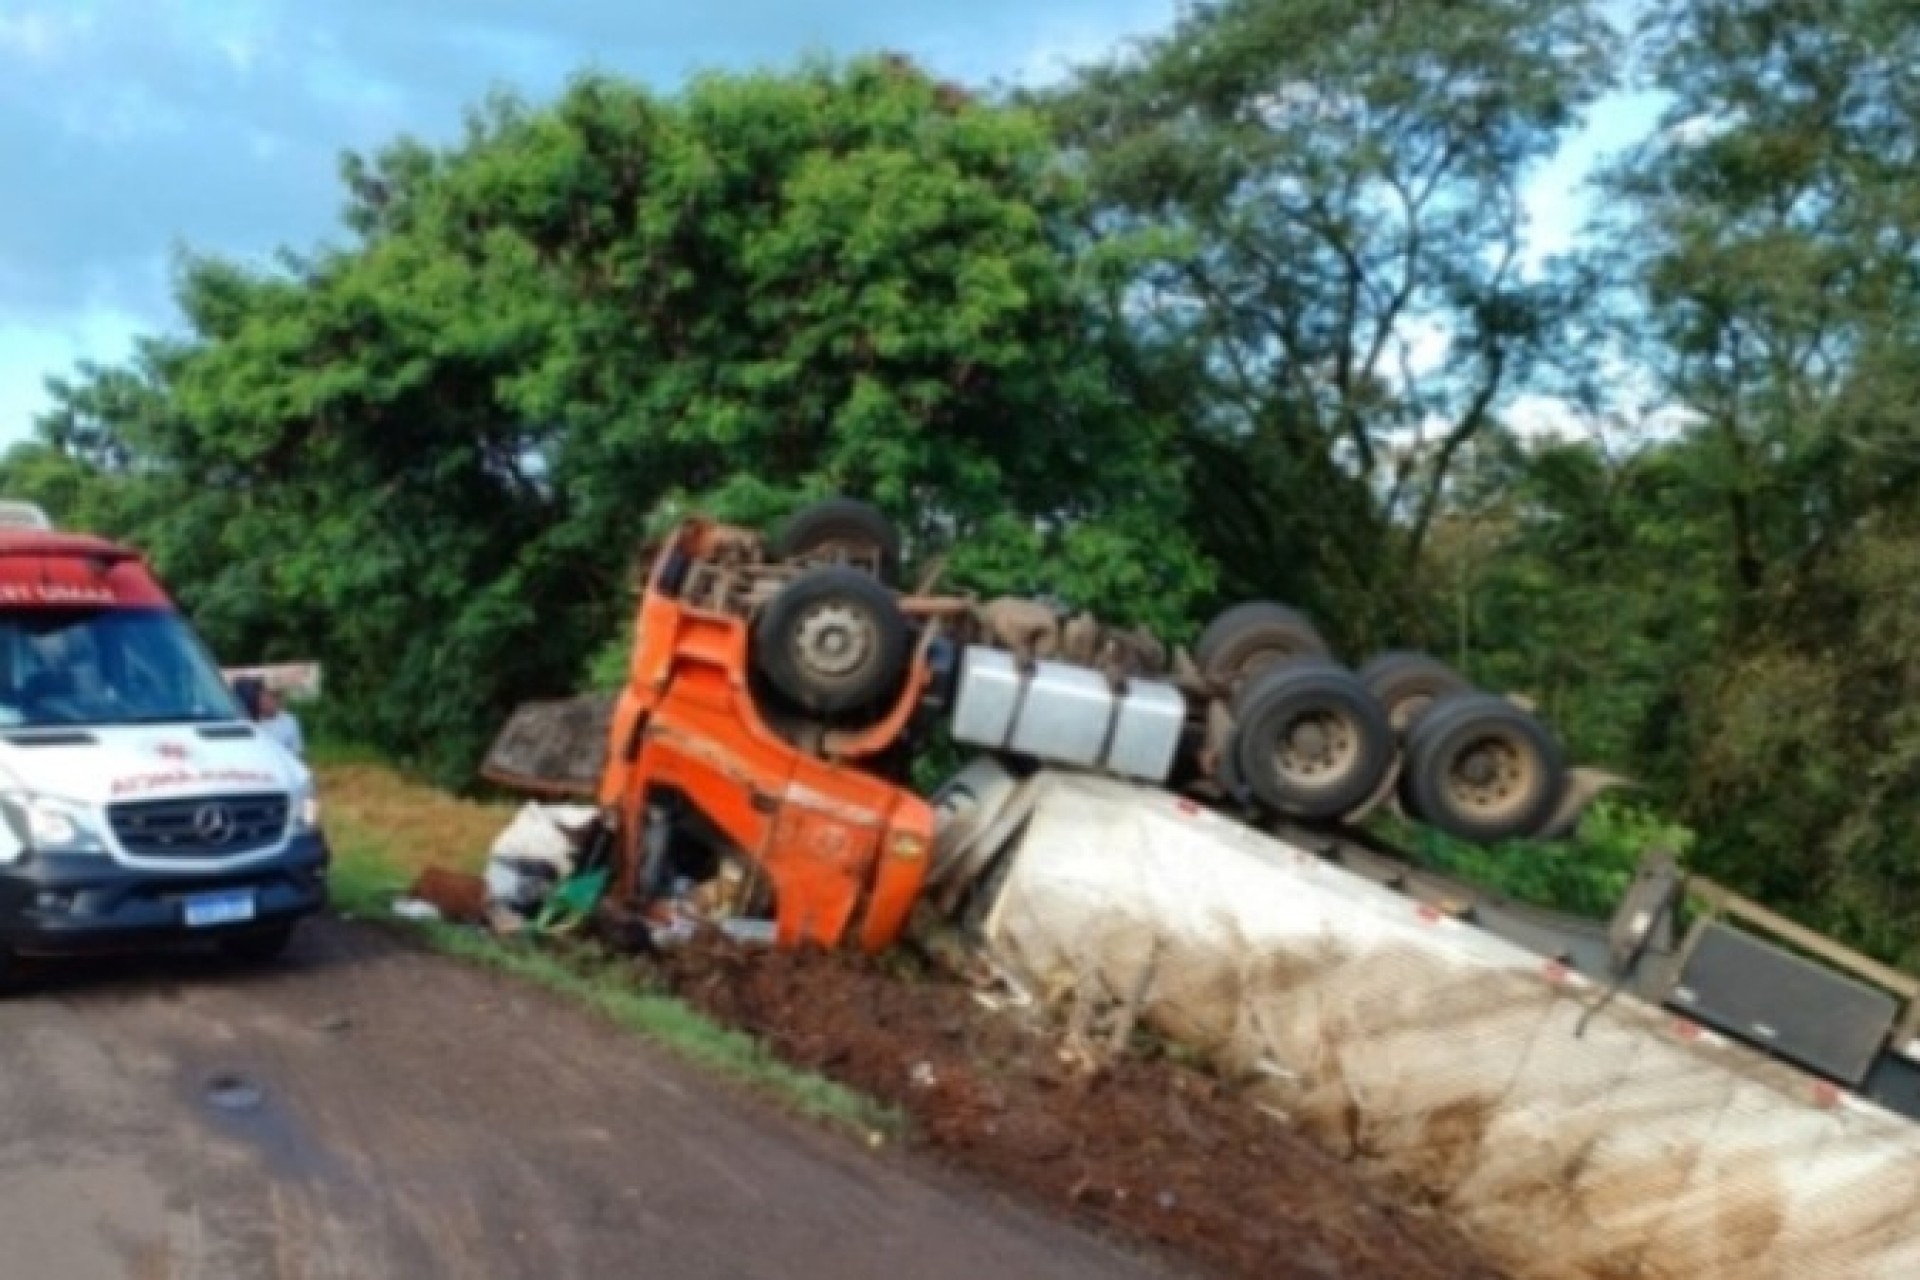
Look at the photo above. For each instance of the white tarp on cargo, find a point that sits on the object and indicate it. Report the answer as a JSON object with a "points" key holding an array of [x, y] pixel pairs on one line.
{"points": [[1570, 1140]]}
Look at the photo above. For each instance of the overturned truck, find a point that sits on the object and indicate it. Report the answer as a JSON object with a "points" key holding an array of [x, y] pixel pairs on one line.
{"points": [[1180, 834], [780, 691]]}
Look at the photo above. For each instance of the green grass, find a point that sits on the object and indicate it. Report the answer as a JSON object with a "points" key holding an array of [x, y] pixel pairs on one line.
{"points": [[366, 877], [336, 751], [362, 881]]}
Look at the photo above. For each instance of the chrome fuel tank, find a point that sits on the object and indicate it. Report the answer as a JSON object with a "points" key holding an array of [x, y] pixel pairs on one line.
{"points": [[1068, 715]]}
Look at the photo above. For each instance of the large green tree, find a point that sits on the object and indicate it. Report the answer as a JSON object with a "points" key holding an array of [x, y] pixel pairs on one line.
{"points": [[1336, 287], [429, 455], [1587, 575], [1771, 234]]}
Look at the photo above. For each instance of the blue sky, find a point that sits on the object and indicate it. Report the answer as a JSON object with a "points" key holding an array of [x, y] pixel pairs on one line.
{"points": [[130, 127]]}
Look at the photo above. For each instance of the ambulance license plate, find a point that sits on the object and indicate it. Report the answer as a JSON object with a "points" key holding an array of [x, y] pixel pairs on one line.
{"points": [[208, 909]]}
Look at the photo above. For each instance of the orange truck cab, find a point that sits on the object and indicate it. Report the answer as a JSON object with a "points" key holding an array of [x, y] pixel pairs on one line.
{"points": [[840, 849], [138, 805]]}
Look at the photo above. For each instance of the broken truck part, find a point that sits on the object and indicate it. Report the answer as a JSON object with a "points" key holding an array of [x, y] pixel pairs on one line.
{"points": [[780, 690]]}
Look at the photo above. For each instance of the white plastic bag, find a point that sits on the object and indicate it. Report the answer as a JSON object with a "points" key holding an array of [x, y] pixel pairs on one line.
{"points": [[535, 852]]}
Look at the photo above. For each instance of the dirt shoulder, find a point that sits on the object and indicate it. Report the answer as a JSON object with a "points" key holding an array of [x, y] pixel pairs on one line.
{"points": [[396, 1114], [1138, 1146], [1144, 1150]]}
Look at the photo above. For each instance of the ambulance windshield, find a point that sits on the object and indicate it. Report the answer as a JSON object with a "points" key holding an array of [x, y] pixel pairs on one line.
{"points": [[86, 666]]}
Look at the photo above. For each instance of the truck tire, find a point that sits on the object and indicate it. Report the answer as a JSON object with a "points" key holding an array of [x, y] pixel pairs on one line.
{"points": [[833, 640], [1407, 682], [1248, 637], [1310, 741], [1481, 769], [842, 525]]}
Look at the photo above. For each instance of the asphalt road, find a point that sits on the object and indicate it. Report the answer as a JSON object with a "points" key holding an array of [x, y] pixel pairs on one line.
{"points": [[392, 1114]]}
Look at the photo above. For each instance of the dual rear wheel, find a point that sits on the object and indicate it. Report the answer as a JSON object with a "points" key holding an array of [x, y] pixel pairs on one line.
{"points": [[1482, 769], [1309, 741], [1314, 741]]}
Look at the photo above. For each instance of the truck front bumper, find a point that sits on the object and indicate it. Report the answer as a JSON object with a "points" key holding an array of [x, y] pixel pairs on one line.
{"points": [[78, 905]]}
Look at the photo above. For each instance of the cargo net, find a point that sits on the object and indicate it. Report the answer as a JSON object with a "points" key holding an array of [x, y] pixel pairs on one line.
{"points": [[1571, 1136]]}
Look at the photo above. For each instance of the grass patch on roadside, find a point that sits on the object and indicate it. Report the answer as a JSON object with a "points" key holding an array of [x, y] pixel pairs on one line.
{"points": [[370, 868], [416, 825]]}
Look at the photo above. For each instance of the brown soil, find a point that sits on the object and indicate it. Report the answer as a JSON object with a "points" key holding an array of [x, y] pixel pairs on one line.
{"points": [[1149, 1150]]}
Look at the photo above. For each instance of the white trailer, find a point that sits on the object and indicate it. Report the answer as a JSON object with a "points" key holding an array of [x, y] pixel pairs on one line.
{"points": [[1555, 1086]]}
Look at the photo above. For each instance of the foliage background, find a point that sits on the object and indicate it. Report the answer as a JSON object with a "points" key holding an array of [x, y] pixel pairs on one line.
{"points": [[1156, 339]]}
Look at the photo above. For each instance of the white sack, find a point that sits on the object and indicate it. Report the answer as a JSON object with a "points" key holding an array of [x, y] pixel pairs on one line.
{"points": [[533, 853]]}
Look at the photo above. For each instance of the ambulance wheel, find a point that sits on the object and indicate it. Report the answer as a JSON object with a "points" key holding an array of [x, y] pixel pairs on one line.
{"points": [[261, 946]]}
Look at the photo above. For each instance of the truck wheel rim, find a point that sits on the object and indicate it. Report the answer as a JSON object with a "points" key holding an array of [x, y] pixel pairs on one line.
{"points": [[833, 640], [1490, 777], [1317, 748]]}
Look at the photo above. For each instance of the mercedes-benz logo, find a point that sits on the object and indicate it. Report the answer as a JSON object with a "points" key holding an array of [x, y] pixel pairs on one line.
{"points": [[213, 823]]}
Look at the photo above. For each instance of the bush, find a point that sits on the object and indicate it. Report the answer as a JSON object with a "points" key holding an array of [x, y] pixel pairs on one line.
{"points": [[1586, 875]]}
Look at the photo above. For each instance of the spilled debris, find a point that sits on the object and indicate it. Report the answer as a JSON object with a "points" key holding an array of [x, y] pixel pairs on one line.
{"points": [[1119, 1133], [458, 896]]}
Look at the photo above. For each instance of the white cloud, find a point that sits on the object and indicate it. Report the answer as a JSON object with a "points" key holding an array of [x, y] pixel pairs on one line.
{"points": [[122, 114], [1427, 341], [1557, 199], [1696, 129], [263, 144], [1543, 417], [39, 35], [240, 52]]}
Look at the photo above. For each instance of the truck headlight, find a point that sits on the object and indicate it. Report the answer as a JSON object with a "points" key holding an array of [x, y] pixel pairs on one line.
{"points": [[43, 824]]}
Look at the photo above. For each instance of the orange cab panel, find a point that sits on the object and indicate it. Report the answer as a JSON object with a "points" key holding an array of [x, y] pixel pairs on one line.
{"points": [[836, 843]]}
